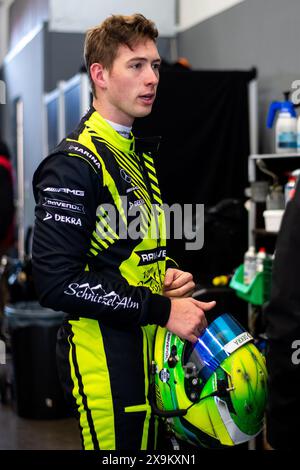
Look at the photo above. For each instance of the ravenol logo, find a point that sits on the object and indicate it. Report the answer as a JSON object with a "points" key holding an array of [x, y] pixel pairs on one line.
{"points": [[2, 353], [2, 92]]}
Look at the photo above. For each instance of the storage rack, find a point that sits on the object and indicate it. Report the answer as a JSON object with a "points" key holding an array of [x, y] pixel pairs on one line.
{"points": [[278, 163]]}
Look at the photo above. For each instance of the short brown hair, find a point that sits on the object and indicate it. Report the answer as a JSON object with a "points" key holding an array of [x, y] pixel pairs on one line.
{"points": [[102, 42]]}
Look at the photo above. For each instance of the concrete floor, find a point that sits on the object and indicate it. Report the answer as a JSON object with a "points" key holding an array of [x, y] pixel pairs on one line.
{"points": [[24, 434], [17, 433]]}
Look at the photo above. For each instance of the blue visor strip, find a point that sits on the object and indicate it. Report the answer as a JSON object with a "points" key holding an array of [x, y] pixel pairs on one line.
{"points": [[208, 353]]}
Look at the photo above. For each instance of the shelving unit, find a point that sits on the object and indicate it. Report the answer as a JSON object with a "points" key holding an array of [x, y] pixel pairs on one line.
{"points": [[279, 163]]}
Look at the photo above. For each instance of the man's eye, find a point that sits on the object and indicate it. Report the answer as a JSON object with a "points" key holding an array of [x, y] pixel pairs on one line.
{"points": [[136, 66], [156, 66]]}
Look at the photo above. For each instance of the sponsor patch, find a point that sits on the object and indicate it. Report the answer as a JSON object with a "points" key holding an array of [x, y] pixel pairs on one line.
{"points": [[237, 342], [63, 219], [135, 188], [98, 295], [84, 152], [65, 205], [75, 192], [167, 346], [125, 176], [137, 203], [151, 256], [164, 375], [48, 216]]}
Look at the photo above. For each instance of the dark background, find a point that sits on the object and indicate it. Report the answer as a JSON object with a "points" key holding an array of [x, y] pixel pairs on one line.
{"points": [[202, 117]]}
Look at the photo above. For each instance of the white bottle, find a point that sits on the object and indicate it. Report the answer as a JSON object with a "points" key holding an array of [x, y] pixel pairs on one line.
{"points": [[298, 134], [261, 256], [249, 265], [286, 133]]}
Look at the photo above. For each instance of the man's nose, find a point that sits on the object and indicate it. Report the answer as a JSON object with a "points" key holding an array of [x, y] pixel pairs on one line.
{"points": [[152, 76]]}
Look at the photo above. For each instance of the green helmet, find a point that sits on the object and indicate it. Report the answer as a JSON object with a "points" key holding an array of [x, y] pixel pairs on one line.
{"points": [[214, 391]]}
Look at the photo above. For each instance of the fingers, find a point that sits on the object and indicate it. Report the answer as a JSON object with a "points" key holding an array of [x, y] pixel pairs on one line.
{"points": [[168, 277], [184, 291], [179, 279], [198, 330], [192, 338], [201, 325]]}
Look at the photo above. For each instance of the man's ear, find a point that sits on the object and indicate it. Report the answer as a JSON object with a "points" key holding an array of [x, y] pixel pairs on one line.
{"points": [[98, 75]]}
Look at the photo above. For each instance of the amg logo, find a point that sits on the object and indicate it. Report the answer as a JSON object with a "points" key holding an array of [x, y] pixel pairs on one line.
{"points": [[76, 192], [64, 205], [151, 256], [85, 153]]}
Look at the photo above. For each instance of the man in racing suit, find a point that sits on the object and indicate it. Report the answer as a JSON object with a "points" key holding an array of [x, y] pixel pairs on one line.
{"points": [[99, 262]]}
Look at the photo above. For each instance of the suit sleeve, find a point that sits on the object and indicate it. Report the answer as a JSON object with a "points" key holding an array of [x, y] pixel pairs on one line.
{"points": [[68, 192]]}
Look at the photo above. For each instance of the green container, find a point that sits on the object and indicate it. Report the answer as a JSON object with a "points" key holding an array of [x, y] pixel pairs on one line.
{"points": [[253, 292]]}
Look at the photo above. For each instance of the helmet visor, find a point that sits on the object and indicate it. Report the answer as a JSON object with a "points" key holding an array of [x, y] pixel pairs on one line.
{"points": [[220, 339]]}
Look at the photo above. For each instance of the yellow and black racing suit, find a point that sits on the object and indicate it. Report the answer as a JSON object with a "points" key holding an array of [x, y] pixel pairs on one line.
{"points": [[99, 254]]}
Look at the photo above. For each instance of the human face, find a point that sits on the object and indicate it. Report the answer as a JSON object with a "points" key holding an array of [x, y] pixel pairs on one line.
{"points": [[131, 83]]}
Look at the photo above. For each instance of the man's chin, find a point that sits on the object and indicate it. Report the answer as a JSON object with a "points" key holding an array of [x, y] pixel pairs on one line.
{"points": [[143, 112]]}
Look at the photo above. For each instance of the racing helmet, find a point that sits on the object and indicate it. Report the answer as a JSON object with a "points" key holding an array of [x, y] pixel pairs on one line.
{"points": [[213, 392]]}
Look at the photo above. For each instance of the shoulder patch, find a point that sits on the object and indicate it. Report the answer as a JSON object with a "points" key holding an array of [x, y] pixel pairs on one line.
{"points": [[81, 151]]}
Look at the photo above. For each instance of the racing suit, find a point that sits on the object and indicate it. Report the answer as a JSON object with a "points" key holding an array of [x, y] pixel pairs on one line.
{"points": [[103, 265]]}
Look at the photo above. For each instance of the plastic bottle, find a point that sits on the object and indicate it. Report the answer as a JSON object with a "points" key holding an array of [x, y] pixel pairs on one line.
{"points": [[260, 258], [298, 134], [249, 265], [290, 188], [286, 125], [296, 173]]}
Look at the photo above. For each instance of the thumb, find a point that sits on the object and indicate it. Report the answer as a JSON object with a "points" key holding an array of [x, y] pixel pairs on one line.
{"points": [[168, 278], [205, 306]]}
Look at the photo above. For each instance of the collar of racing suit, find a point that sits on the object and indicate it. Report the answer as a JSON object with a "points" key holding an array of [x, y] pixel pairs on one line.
{"points": [[132, 144]]}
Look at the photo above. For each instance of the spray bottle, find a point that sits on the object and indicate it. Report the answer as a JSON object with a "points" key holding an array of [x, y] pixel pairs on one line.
{"points": [[286, 125], [260, 258], [249, 265]]}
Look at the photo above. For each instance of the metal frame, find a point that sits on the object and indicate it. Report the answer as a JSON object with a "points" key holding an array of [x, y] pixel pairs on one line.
{"points": [[20, 177], [59, 93]]}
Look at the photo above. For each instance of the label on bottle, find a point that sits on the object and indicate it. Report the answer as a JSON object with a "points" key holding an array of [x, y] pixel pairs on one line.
{"points": [[289, 191], [249, 269], [287, 140]]}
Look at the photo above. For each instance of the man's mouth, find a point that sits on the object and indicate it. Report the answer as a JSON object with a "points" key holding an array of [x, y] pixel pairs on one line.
{"points": [[148, 98]]}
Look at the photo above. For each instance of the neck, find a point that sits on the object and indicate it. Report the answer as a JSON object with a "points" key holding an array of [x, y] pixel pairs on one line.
{"points": [[124, 131], [109, 113]]}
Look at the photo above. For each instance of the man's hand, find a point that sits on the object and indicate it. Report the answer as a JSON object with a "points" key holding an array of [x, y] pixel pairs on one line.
{"points": [[178, 283], [187, 319]]}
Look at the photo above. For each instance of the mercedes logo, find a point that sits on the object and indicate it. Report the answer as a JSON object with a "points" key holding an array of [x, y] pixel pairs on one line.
{"points": [[125, 177]]}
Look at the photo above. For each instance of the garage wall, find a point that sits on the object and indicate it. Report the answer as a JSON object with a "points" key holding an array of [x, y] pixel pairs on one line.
{"points": [[252, 33], [192, 12], [64, 14]]}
